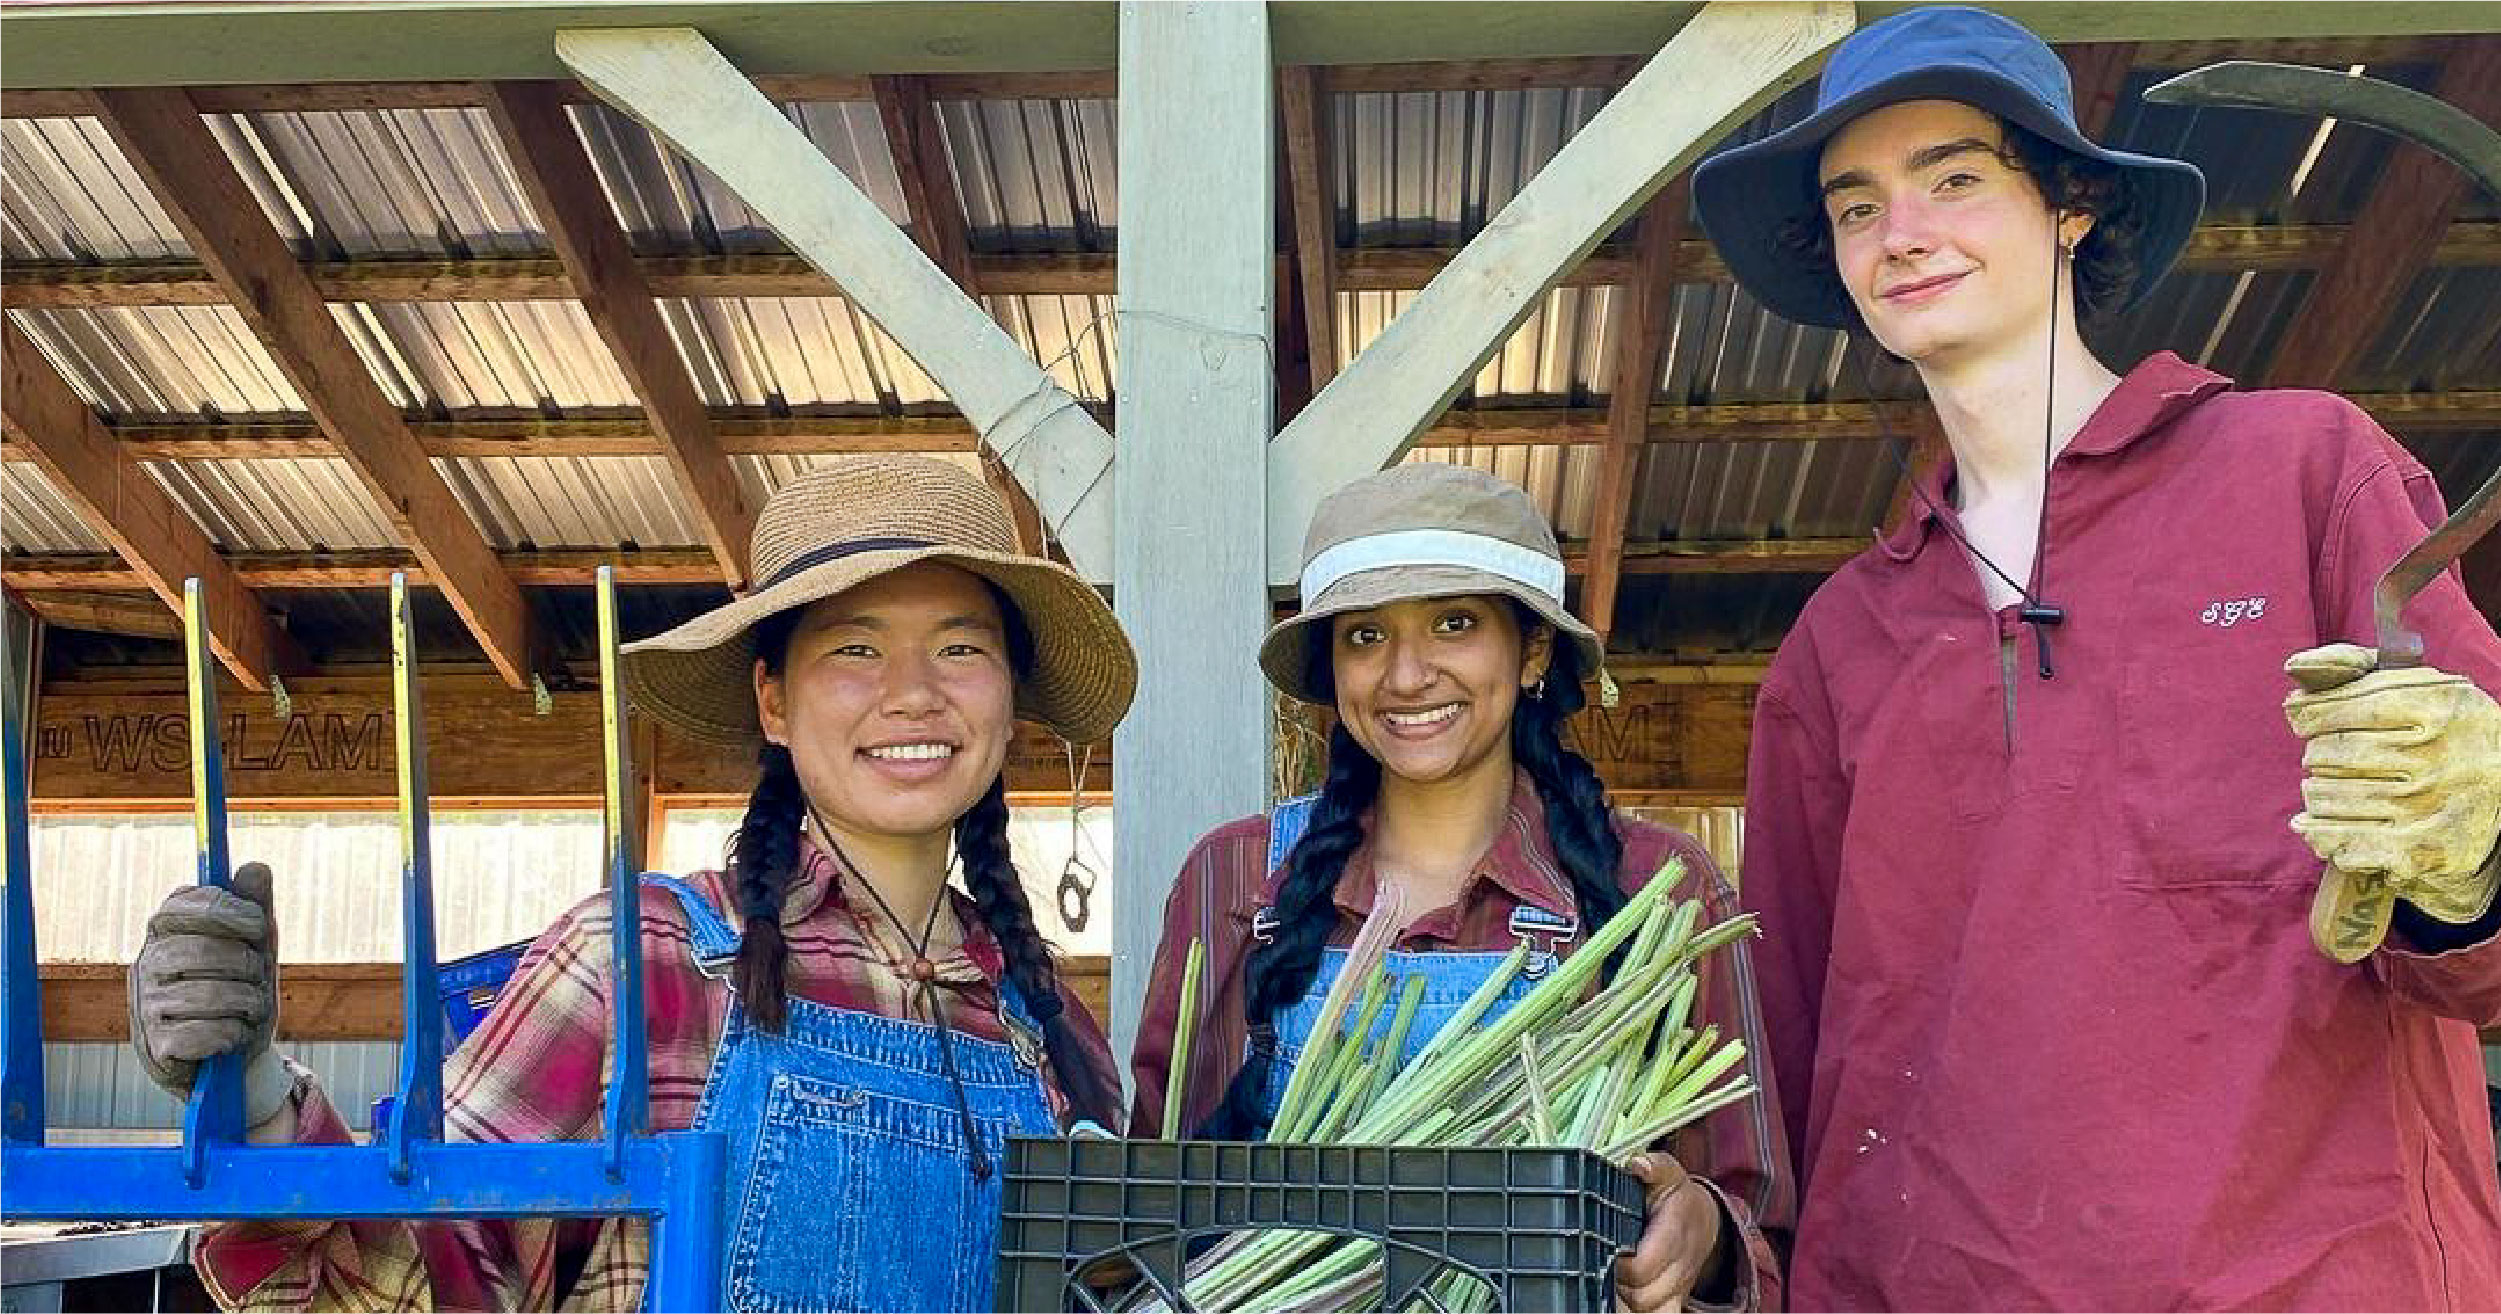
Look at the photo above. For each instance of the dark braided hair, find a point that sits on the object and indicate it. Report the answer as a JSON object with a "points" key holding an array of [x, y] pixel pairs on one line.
{"points": [[1578, 823], [764, 859]]}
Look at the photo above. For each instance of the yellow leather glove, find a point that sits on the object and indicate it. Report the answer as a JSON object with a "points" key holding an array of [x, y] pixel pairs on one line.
{"points": [[2401, 793]]}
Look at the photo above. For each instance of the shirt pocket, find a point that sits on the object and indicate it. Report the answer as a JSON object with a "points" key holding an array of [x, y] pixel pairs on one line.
{"points": [[2209, 772], [863, 1200]]}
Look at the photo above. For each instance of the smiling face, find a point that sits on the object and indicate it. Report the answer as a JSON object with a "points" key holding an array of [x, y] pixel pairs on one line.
{"points": [[897, 702], [1944, 242], [1427, 686]]}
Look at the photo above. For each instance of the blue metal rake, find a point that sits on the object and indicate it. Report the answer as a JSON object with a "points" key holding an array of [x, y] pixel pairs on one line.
{"points": [[409, 1171]]}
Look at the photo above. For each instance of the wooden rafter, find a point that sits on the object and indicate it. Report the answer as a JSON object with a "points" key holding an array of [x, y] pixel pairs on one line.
{"points": [[909, 114], [47, 285], [1303, 109], [175, 154], [2393, 238], [555, 172], [48, 420], [1493, 426], [1641, 321], [910, 117]]}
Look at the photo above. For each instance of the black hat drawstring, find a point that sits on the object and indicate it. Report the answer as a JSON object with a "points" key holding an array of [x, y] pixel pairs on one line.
{"points": [[2036, 610], [923, 975]]}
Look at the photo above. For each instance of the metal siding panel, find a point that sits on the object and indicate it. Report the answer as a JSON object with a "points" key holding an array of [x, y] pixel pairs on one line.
{"points": [[34, 517], [311, 504], [67, 193]]}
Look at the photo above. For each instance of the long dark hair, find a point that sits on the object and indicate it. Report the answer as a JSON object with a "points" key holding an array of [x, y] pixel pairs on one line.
{"points": [[764, 858], [1578, 822]]}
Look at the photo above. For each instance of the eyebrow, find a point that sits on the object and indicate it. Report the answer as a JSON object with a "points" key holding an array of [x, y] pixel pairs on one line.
{"points": [[876, 624], [1925, 157]]}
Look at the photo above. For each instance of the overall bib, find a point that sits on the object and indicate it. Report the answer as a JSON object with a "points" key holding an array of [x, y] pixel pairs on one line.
{"points": [[849, 1184], [1449, 977]]}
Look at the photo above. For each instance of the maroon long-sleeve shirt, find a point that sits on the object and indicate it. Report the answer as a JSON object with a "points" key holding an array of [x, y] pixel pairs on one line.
{"points": [[2046, 1020]]}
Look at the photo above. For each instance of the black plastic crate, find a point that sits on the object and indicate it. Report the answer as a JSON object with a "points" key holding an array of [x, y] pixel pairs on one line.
{"points": [[1541, 1227]]}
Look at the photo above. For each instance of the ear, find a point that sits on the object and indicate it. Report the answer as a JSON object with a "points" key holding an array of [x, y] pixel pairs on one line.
{"points": [[772, 711], [2072, 227], [1536, 654]]}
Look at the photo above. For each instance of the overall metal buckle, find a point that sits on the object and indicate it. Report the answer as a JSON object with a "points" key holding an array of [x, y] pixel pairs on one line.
{"points": [[1528, 922]]}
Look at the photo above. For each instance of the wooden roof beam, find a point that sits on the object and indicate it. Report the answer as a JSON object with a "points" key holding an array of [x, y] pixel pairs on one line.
{"points": [[1303, 112], [47, 285], [1494, 426], [1727, 62], [1640, 328], [179, 159], [48, 421], [2392, 240], [555, 172], [676, 83]]}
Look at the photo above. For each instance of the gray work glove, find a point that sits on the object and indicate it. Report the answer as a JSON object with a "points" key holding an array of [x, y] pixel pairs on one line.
{"points": [[206, 983]]}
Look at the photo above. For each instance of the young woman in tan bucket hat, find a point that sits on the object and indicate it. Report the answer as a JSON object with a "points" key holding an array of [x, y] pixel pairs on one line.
{"points": [[864, 1034], [1433, 624]]}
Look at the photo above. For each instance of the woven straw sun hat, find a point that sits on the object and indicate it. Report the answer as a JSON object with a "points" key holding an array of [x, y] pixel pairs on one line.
{"points": [[861, 517], [1418, 531]]}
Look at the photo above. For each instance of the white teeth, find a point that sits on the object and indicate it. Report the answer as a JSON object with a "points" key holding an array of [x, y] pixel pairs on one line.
{"points": [[913, 752], [1434, 717]]}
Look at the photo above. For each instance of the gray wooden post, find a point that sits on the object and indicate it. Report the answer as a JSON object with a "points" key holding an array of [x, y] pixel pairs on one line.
{"points": [[1197, 278]]}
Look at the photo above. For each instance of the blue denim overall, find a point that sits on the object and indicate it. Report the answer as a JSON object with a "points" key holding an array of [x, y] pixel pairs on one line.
{"points": [[849, 1185], [1449, 978]]}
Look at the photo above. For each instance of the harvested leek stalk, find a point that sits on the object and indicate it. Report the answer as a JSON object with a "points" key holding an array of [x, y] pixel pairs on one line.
{"points": [[1608, 1068]]}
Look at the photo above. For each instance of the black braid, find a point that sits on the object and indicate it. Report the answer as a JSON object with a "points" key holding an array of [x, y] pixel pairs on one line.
{"points": [[764, 859], [1280, 971], [990, 877], [1579, 822]]}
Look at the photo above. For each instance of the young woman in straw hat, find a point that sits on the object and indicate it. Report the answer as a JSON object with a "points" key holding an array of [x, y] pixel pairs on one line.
{"points": [[1433, 624], [866, 1035]]}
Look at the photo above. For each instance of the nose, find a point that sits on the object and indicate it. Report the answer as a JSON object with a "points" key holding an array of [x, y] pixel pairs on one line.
{"points": [[1909, 229], [1410, 668], [912, 686]]}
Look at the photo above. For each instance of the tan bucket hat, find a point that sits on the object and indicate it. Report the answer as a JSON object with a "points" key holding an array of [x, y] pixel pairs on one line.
{"points": [[1426, 530], [860, 517]]}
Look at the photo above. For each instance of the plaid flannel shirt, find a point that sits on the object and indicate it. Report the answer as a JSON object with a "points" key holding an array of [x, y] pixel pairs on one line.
{"points": [[536, 1070]]}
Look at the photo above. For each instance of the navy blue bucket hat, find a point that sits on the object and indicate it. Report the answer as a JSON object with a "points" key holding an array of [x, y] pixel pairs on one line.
{"points": [[1748, 197]]}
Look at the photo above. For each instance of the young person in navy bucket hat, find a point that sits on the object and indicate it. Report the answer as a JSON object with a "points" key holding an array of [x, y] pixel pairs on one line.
{"points": [[2063, 1013]]}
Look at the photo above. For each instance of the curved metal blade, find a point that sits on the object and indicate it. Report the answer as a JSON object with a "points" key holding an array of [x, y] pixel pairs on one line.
{"points": [[2436, 126]]}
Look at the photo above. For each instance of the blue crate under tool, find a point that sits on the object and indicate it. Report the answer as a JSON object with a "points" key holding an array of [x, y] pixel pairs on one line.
{"points": [[675, 1180]]}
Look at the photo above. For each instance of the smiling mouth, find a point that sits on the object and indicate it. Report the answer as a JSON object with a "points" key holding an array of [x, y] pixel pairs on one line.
{"points": [[1923, 285], [1420, 720], [911, 752]]}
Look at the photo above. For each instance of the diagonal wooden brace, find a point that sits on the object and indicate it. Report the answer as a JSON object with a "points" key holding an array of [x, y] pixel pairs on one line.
{"points": [[674, 82]]}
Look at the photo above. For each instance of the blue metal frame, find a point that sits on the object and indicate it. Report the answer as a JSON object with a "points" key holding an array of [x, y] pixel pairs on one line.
{"points": [[675, 1180]]}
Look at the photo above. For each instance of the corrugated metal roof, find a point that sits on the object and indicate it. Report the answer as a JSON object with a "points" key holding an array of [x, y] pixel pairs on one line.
{"points": [[1428, 168], [671, 205], [34, 517], [162, 362], [443, 357], [67, 193], [1034, 175], [312, 504], [382, 183]]}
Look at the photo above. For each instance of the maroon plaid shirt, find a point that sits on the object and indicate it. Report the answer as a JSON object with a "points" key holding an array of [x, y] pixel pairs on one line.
{"points": [[1738, 1151], [536, 1070]]}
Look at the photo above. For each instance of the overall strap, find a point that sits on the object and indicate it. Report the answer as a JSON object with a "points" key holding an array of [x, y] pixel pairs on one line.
{"points": [[715, 940], [1286, 824]]}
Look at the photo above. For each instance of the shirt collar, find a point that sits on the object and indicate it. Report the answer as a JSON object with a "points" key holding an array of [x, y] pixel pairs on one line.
{"points": [[2159, 390], [819, 888], [1520, 861]]}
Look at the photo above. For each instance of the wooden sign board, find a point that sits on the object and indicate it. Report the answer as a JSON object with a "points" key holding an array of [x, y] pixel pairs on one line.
{"points": [[125, 742]]}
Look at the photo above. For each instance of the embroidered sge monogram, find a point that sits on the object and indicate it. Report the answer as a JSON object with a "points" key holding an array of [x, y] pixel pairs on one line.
{"points": [[2233, 611]]}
